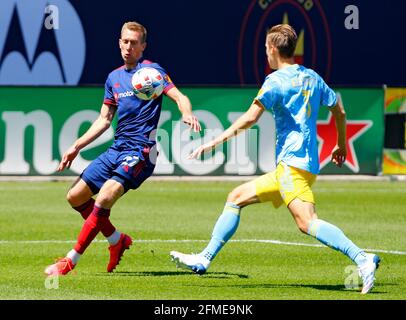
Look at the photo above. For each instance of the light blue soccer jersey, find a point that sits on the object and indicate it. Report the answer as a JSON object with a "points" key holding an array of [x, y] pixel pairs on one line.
{"points": [[294, 95]]}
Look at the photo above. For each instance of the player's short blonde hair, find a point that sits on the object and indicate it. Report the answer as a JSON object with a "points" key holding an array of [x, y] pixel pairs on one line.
{"points": [[135, 26], [284, 38]]}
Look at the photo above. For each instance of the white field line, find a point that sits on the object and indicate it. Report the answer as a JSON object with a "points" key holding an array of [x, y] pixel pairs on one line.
{"points": [[193, 240], [353, 177]]}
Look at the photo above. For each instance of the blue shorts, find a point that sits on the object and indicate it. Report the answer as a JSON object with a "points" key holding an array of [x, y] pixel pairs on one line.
{"points": [[128, 167]]}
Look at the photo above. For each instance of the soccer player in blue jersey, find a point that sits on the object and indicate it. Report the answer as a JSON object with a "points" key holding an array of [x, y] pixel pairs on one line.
{"points": [[293, 94], [131, 158]]}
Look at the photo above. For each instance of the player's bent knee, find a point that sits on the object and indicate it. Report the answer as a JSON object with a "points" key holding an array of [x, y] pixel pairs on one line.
{"points": [[232, 196], [72, 198], [75, 200], [107, 199], [242, 196], [236, 197], [104, 200], [303, 227]]}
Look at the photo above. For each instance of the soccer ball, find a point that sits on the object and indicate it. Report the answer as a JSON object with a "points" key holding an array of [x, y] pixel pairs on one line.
{"points": [[147, 83]]}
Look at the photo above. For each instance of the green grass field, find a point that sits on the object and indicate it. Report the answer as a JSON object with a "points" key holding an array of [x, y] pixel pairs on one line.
{"points": [[37, 226]]}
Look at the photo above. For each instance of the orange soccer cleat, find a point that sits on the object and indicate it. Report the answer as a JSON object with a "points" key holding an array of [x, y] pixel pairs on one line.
{"points": [[61, 267], [117, 251]]}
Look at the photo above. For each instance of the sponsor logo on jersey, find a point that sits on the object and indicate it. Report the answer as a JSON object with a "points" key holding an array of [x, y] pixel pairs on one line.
{"points": [[125, 94]]}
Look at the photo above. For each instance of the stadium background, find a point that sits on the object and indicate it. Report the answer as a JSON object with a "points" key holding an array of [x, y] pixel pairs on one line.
{"points": [[216, 55], [52, 73]]}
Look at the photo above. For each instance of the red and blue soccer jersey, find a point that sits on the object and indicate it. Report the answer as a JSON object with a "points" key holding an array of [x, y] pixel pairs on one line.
{"points": [[136, 118], [128, 160]]}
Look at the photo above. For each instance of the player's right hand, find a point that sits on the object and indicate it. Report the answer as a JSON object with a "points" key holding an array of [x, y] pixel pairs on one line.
{"points": [[202, 149], [67, 158]]}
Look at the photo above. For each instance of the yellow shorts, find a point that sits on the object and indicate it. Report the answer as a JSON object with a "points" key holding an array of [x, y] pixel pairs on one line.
{"points": [[285, 184]]}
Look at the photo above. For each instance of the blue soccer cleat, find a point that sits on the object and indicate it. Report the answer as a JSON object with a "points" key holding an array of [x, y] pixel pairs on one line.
{"points": [[367, 272], [194, 262]]}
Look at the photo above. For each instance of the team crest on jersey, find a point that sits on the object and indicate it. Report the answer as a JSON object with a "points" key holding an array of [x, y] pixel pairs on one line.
{"points": [[307, 17], [168, 79]]}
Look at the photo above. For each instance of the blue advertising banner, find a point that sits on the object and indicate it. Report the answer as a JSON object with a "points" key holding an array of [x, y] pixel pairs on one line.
{"points": [[71, 42]]}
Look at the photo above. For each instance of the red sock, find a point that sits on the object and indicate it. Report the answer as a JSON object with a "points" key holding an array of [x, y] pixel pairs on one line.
{"points": [[86, 209], [93, 224]]}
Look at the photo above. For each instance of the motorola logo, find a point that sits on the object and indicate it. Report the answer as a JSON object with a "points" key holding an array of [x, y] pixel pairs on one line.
{"points": [[125, 94], [42, 42]]}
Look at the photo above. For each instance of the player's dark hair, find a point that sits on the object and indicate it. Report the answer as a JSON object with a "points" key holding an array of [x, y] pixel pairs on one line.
{"points": [[135, 26], [284, 38]]}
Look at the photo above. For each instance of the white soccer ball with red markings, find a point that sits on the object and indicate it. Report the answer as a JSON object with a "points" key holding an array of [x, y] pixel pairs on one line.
{"points": [[147, 83]]}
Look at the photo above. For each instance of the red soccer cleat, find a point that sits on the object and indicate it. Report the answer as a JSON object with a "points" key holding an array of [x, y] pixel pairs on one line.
{"points": [[61, 267], [117, 251]]}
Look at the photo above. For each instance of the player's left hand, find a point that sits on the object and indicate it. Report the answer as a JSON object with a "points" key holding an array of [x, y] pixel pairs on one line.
{"points": [[338, 156], [192, 122]]}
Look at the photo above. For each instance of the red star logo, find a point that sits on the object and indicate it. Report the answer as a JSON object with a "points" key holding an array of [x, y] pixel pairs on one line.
{"points": [[327, 136]]}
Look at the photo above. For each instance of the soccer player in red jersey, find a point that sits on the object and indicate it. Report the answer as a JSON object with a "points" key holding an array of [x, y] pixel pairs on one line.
{"points": [[131, 158]]}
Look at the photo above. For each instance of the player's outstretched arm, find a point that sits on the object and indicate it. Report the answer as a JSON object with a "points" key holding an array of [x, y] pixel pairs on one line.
{"points": [[340, 151], [247, 120], [100, 125], [185, 107]]}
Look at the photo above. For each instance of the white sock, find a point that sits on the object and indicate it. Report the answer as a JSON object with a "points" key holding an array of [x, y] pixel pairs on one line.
{"points": [[204, 261], [74, 256], [114, 238]]}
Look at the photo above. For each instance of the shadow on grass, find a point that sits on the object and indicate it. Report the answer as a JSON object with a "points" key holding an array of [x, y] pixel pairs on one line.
{"points": [[333, 287], [211, 275]]}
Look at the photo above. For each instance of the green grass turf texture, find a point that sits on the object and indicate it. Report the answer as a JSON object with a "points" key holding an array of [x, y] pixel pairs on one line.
{"points": [[372, 214]]}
